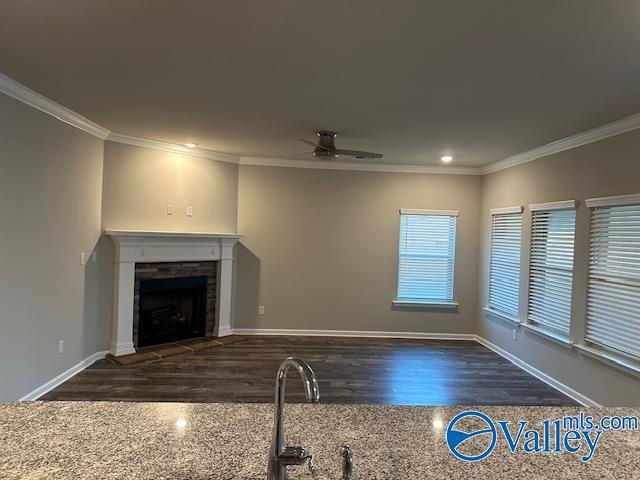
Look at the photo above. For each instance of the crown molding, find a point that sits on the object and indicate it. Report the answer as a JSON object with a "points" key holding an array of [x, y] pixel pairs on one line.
{"points": [[172, 147], [363, 167], [25, 95], [618, 127]]}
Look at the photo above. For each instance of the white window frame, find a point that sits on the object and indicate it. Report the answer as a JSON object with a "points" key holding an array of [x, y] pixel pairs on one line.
{"points": [[403, 302], [541, 327], [490, 309], [607, 354]]}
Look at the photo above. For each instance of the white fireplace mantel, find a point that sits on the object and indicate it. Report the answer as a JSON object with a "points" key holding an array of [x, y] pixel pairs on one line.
{"points": [[133, 247]]}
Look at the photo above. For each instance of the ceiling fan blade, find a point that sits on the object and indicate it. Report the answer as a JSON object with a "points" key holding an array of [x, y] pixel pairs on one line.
{"points": [[313, 144], [359, 154]]}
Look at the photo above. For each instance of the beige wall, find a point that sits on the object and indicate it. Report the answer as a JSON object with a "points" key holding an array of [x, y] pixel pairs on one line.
{"points": [[320, 251], [50, 192], [139, 183], [608, 167], [321, 248]]}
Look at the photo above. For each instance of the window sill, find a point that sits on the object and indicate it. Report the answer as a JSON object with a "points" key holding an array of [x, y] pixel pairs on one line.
{"points": [[553, 336], [611, 359], [501, 316], [401, 302]]}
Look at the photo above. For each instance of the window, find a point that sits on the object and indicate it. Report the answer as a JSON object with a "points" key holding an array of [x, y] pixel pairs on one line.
{"points": [[426, 256], [553, 228], [613, 299], [504, 263]]}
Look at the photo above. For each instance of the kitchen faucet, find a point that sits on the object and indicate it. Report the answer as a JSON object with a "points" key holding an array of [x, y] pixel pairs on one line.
{"points": [[281, 455]]}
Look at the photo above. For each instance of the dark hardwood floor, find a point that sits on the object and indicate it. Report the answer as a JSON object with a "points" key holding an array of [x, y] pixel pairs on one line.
{"points": [[349, 370]]}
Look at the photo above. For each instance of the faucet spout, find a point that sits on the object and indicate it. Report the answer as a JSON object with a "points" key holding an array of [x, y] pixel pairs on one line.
{"points": [[281, 455], [308, 379]]}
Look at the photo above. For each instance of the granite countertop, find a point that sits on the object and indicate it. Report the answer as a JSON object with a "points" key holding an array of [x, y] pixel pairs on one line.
{"points": [[104, 440]]}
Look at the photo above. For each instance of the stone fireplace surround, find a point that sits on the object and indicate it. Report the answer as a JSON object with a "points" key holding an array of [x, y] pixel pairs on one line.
{"points": [[137, 247]]}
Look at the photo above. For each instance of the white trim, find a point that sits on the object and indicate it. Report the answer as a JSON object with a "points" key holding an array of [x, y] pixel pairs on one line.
{"points": [[224, 331], [399, 302], [27, 96], [172, 147], [152, 233], [418, 211], [122, 348], [560, 205], [617, 200], [64, 376], [611, 359], [365, 167], [352, 333], [549, 334], [540, 375], [507, 210], [599, 133], [150, 247], [24, 94], [491, 313]]}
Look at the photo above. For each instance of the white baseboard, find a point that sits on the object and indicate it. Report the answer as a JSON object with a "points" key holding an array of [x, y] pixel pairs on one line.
{"points": [[353, 333], [540, 375], [64, 376], [223, 332]]}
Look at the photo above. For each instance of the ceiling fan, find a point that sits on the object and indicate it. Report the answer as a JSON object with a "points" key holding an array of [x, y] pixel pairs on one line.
{"points": [[326, 148]]}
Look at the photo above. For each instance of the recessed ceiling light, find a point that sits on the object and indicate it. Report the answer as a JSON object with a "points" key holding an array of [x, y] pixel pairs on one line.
{"points": [[191, 145], [446, 158]]}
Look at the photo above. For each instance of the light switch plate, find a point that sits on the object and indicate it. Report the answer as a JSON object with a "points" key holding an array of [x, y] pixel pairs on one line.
{"points": [[260, 309], [83, 259], [189, 211], [169, 209], [60, 347]]}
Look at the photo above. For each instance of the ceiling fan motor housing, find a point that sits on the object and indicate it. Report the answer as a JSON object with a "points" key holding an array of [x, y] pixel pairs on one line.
{"points": [[326, 145]]}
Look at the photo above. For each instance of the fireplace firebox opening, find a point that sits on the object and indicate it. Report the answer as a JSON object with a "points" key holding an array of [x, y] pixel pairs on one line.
{"points": [[172, 309]]}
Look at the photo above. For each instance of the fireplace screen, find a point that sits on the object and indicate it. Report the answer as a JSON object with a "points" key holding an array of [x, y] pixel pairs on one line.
{"points": [[172, 309]]}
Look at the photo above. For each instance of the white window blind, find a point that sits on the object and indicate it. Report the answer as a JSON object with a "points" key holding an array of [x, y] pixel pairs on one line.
{"points": [[427, 255], [551, 266], [504, 268], [613, 301]]}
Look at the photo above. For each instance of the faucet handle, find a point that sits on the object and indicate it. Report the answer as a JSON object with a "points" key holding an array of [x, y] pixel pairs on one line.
{"points": [[312, 464], [297, 456], [347, 462]]}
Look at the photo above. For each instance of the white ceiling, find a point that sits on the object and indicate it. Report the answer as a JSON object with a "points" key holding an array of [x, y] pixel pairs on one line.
{"points": [[481, 80]]}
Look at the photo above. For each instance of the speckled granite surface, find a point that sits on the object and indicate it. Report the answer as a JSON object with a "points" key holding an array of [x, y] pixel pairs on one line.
{"points": [[100, 440]]}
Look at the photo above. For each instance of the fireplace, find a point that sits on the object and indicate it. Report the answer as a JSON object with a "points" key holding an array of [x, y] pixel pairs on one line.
{"points": [[147, 255], [171, 310], [173, 301]]}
